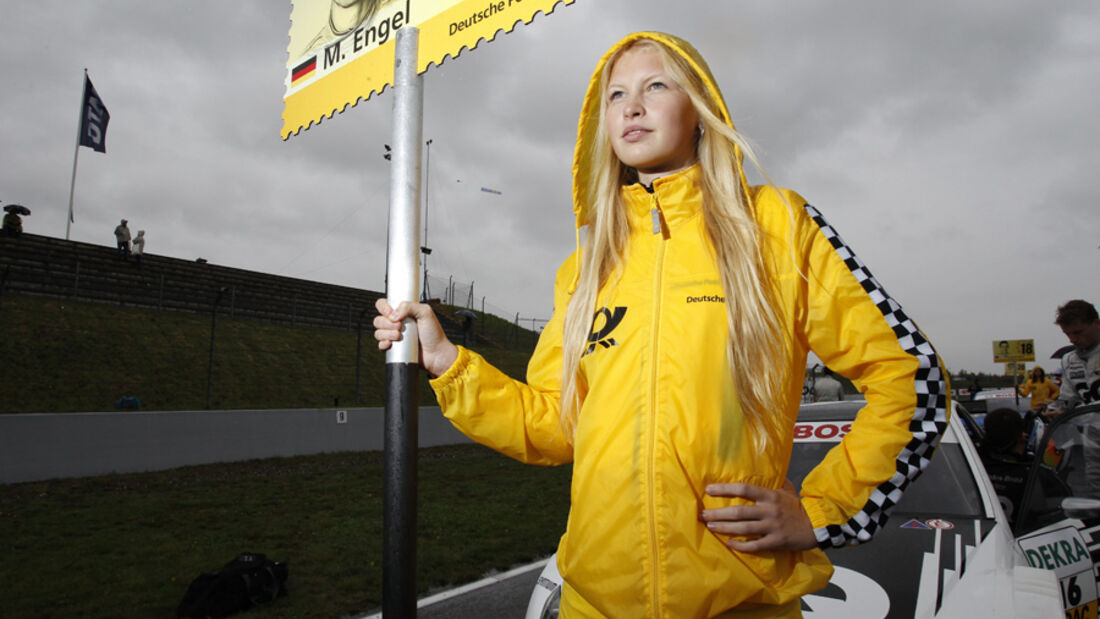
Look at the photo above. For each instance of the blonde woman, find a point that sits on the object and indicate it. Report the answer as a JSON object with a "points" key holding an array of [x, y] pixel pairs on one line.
{"points": [[670, 374], [1041, 389]]}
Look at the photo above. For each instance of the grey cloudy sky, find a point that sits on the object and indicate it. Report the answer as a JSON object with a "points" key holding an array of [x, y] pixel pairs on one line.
{"points": [[954, 145]]}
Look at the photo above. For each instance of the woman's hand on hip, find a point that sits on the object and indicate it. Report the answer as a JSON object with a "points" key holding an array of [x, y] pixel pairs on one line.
{"points": [[775, 520], [437, 353]]}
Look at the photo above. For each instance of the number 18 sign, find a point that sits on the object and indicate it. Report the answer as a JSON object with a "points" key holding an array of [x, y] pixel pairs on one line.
{"points": [[1005, 351]]}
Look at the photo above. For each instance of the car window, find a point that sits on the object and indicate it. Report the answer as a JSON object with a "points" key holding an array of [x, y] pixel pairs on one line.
{"points": [[1066, 458], [946, 488]]}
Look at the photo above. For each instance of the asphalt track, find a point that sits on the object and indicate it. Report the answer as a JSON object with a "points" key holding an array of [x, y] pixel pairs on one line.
{"points": [[502, 596]]}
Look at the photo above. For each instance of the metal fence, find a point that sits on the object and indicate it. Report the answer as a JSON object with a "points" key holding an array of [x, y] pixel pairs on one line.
{"points": [[490, 322], [47, 266]]}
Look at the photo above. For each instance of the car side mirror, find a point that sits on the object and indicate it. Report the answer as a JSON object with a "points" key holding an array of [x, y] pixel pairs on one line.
{"points": [[1080, 507]]}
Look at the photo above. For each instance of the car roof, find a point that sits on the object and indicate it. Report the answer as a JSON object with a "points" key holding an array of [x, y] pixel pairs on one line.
{"points": [[830, 411]]}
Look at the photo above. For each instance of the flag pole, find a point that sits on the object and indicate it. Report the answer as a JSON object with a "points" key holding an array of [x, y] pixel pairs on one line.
{"points": [[402, 359], [76, 153]]}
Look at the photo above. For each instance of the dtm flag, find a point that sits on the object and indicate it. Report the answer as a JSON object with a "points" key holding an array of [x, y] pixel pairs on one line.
{"points": [[342, 51], [93, 119]]}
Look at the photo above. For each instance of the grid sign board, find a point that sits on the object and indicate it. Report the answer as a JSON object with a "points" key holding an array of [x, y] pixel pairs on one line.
{"points": [[1005, 351], [342, 51]]}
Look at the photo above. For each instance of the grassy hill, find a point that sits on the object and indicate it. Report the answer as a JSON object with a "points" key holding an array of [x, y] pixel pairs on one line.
{"points": [[128, 545], [61, 355]]}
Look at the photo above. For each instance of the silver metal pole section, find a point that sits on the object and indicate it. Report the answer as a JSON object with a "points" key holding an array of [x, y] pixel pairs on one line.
{"points": [[76, 152], [402, 368], [404, 245]]}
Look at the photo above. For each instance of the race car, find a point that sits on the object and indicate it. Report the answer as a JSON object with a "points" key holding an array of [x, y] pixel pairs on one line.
{"points": [[991, 399], [947, 550]]}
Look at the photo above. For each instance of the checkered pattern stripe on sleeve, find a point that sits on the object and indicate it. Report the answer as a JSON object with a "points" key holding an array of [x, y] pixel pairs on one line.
{"points": [[929, 418]]}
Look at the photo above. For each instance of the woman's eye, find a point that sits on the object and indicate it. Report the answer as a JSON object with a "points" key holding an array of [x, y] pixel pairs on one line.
{"points": [[615, 95], [657, 86]]}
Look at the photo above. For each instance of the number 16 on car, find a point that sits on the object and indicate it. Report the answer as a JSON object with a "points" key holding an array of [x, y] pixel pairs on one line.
{"points": [[1065, 552]]}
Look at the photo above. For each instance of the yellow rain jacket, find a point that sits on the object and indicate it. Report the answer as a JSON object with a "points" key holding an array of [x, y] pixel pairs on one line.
{"points": [[1042, 392], [660, 418]]}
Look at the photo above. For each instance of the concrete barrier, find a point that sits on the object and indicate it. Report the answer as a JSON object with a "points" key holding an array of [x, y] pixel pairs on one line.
{"points": [[40, 446]]}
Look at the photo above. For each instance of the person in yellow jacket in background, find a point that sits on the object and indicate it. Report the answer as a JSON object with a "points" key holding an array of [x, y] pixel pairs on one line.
{"points": [[671, 371], [1041, 389]]}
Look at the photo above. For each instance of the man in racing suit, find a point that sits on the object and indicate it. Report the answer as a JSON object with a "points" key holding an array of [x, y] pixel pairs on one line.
{"points": [[1081, 376]]}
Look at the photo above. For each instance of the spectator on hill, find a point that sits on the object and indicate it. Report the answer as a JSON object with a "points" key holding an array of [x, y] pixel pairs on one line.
{"points": [[122, 237], [139, 246], [828, 388]]}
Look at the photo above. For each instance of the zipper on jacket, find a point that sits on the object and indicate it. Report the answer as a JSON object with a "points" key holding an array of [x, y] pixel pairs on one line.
{"points": [[658, 275]]}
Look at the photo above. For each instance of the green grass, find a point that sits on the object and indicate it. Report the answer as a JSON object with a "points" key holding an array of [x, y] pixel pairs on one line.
{"points": [[128, 545], [60, 355]]}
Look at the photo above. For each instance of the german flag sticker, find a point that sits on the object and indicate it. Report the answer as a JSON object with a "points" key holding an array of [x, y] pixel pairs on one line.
{"points": [[303, 71]]}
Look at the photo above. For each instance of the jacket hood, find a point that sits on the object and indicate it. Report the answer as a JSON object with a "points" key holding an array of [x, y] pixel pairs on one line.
{"points": [[587, 126]]}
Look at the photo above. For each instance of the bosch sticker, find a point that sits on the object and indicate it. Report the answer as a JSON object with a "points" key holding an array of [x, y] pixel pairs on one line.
{"points": [[820, 431]]}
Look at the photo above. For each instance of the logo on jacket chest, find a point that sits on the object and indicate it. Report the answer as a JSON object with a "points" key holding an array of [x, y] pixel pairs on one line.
{"points": [[706, 298], [603, 323]]}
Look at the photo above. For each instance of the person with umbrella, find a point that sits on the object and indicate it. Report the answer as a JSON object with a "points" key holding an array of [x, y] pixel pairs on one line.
{"points": [[13, 223]]}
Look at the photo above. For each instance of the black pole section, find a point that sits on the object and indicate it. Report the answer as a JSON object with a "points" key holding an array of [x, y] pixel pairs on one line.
{"points": [[399, 489]]}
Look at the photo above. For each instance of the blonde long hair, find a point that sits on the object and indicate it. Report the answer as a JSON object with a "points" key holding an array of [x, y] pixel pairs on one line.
{"points": [[757, 343]]}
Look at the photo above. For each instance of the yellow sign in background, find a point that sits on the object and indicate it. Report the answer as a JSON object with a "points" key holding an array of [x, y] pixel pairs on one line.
{"points": [[1005, 351], [342, 51]]}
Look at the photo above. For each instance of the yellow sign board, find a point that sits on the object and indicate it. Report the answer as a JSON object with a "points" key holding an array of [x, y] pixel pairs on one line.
{"points": [[1015, 368], [1005, 351], [341, 51]]}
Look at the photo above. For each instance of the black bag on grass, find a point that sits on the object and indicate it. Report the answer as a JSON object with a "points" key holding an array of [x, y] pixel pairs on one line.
{"points": [[249, 579]]}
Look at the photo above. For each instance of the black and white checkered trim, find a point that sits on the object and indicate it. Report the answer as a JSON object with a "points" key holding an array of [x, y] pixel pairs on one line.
{"points": [[929, 418]]}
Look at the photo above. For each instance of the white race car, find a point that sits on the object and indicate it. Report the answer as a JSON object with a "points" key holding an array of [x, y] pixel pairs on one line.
{"points": [[947, 551], [1002, 397]]}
